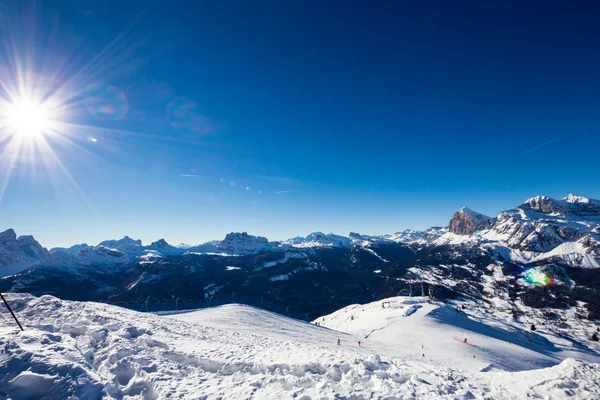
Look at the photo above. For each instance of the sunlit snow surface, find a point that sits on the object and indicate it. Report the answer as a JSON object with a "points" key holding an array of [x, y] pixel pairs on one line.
{"points": [[92, 351]]}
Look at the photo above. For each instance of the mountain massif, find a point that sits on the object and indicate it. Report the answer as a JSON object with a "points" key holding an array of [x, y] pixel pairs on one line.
{"points": [[544, 253]]}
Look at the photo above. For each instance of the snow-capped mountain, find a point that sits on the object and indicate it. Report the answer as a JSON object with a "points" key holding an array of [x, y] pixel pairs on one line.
{"points": [[18, 253], [163, 247], [405, 236], [540, 228], [126, 245], [71, 250], [318, 239], [543, 248]]}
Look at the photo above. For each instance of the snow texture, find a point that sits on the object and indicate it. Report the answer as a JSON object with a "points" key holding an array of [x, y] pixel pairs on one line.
{"points": [[93, 351]]}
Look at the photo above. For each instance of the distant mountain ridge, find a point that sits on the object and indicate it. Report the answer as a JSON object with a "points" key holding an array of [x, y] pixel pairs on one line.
{"points": [[542, 249], [536, 228]]}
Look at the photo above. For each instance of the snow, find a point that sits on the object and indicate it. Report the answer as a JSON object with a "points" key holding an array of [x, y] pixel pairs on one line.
{"points": [[319, 239], [187, 253], [150, 257], [573, 253], [311, 266], [405, 236], [71, 250], [407, 323], [212, 289], [573, 198], [92, 351], [371, 251], [286, 257]]}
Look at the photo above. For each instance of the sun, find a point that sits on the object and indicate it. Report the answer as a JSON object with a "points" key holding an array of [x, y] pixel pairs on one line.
{"points": [[28, 119]]}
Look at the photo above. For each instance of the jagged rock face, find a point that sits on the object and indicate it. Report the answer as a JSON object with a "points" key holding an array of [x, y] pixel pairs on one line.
{"points": [[532, 235], [466, 221], [461, 224], [236, 242], [568, 233], [544, 204], [18, 253], [582, 206], [591, 243], [571, 204], [543, 238], [542, 223]]}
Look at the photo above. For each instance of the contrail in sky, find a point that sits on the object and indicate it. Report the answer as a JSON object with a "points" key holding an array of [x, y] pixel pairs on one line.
{"points": [[284, 191], [554, 140]]}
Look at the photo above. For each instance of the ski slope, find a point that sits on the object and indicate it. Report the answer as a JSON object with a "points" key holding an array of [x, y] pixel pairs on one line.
{"points": [[92, 351], [412, 328]]}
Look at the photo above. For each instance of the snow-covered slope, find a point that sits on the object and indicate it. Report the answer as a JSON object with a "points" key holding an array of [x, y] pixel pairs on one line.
{"points": [[93, 351], [408, 327]]}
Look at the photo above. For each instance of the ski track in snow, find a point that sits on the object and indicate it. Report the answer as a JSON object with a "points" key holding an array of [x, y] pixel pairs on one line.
{"points": [[92, 351]]}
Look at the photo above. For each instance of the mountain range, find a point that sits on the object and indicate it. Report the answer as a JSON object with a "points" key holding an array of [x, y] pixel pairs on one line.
{"points": [[542, 253]]}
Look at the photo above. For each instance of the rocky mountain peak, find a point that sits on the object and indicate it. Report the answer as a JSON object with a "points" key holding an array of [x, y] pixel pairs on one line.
{"points": [[582, 206], [161, 243], [466, 221], [126, 243], [543, 204], [242, 242], [18, 253], [8, 236]]}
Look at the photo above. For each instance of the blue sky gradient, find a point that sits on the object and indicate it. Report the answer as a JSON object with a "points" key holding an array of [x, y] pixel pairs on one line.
{"points": [[282, 118]]}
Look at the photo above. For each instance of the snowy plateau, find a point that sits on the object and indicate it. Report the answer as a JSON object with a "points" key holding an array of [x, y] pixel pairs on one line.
{"points": [[127, 320]]}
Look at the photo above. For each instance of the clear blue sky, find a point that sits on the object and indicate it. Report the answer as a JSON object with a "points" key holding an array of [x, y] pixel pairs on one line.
{"points": [[284, 117]]}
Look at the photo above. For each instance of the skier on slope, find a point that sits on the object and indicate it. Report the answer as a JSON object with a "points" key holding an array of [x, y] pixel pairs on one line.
{"points": [[359, 343], [338, 342]]}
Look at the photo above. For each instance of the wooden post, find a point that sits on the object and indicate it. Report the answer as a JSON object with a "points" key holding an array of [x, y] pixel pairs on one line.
{"points": [[11, 312]]}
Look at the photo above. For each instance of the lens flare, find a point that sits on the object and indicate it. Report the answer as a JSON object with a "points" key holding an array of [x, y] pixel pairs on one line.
{"points": [[539, 278], [44, 102], [106, 103]]}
